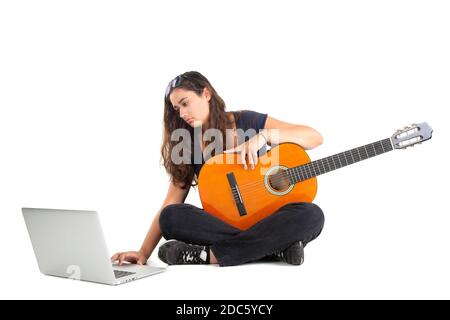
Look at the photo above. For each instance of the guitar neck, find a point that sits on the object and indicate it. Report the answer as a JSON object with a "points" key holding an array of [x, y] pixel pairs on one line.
{"points": [[343, 159]]}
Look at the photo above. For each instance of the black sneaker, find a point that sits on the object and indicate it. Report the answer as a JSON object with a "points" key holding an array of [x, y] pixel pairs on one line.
{"points": [[178, 252], [293, 254]]}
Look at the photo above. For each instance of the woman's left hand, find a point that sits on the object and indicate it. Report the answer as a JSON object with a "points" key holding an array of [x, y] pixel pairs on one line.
{"points": [[249, 149]]}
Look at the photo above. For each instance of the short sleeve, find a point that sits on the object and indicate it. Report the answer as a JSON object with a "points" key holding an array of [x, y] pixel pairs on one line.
{"points": [[248, 119], [252, 120], [245, 119]]}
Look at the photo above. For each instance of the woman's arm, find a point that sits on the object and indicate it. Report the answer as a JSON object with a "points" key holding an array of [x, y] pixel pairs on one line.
{"points": [[276, 131], [175, 194]]}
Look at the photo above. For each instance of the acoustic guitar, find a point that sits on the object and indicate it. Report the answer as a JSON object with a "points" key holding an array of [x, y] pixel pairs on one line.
{"points": [[283, 175]]}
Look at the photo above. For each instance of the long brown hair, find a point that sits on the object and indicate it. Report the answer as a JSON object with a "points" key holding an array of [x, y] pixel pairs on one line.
{"points": [[183, 174]]}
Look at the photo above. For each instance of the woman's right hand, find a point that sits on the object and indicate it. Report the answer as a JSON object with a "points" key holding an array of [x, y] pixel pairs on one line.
{"points": [[135, 257]]}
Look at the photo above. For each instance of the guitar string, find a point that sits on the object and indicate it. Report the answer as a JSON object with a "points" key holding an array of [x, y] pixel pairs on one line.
{"points": [[302, 170], [259, 187]]}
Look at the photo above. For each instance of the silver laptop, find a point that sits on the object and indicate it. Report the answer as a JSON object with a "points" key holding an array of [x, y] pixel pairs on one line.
{"points": [[70, 244]]}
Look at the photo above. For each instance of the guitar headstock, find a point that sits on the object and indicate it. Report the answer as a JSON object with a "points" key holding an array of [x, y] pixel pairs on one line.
{"points": [[411, 135]]}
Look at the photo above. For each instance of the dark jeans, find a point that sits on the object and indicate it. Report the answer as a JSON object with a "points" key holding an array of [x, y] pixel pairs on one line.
{"points": [[298, 221]]}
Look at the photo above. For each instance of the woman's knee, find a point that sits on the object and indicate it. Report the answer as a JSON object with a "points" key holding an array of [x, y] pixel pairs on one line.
{"points": [[168, 219], [310, 213], [316, 213]]}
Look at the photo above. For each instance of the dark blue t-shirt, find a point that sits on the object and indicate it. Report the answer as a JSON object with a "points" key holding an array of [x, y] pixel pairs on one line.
{"points": [[245, 120]]}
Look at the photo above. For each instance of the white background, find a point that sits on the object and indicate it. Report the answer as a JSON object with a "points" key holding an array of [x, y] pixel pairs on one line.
{"points": [[81, 101]]}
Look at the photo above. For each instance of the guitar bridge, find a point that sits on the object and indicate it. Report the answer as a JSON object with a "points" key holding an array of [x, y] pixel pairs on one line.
{"points": [[236, 194]]}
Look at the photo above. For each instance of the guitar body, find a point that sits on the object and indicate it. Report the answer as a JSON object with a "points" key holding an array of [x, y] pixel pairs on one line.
{"points": [[242, 197]]}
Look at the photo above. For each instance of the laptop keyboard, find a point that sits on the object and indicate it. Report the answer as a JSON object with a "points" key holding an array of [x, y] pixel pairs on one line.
{"points": [[120, 274]]}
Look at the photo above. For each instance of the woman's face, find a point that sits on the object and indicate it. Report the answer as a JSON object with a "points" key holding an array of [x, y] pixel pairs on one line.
{"points": [[192, 108]]}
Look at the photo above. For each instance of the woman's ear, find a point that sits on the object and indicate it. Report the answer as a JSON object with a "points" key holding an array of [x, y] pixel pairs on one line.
{"points": [[206, 93]]}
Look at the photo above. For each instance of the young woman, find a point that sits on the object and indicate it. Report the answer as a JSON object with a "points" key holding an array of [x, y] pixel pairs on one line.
{"points": [[198, 237]]}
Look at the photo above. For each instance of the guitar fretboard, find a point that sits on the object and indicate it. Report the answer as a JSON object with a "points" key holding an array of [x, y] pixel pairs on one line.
{"points": [[321, 166]]}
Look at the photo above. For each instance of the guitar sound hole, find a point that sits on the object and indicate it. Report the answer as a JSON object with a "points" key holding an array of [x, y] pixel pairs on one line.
{"points": [[279, 180]]}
